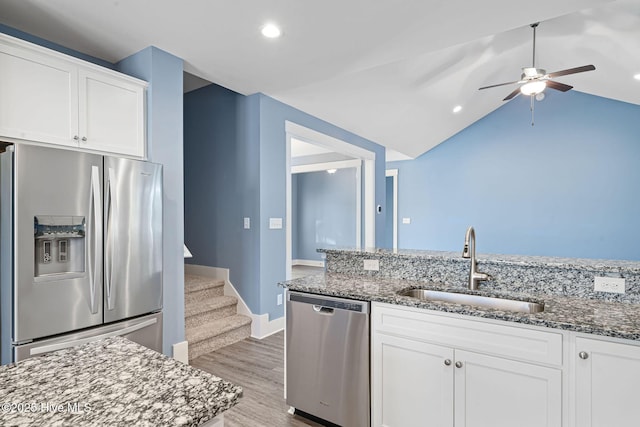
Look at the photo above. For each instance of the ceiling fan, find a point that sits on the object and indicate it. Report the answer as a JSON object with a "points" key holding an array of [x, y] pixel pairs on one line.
{"points": [[534, 80]]}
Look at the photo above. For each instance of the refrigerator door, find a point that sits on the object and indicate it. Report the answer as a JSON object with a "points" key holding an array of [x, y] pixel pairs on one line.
{"points": [[133, 238], [57, 241], [145, 330]]}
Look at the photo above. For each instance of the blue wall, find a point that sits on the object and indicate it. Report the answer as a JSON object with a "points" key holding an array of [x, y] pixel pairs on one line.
{"points": [[164, 73], [273, 115], [164, 137], [222, 185], [244, 139], [567, 186], [324, 207]]}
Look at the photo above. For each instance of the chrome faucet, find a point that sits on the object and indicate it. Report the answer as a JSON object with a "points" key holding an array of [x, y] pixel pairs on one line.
{"points": [[469, 251]]}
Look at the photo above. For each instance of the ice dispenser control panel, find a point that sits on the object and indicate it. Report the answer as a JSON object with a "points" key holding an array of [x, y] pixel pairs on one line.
{"points": [[59, 245]]}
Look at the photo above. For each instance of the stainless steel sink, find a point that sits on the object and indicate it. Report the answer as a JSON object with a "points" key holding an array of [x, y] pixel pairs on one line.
{"points": [[475, 300]]}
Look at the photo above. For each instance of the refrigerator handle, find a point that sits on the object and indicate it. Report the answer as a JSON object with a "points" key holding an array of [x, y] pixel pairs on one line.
{"points": [[95, 262], [112, 233]]}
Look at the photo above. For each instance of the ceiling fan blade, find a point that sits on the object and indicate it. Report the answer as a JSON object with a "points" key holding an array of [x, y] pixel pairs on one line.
{"points": [[500, 84], [512, 94], [572, 71], [558, 86]]}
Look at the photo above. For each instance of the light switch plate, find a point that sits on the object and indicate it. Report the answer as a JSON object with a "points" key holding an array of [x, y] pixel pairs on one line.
{"points": [[406, 220], [275, 223], [371, 265], [247, 223], [279, 300], [609, 284]]}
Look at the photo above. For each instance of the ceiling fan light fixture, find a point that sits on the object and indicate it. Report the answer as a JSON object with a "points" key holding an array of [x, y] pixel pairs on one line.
{"points": [[271, 31], [533, 88]]}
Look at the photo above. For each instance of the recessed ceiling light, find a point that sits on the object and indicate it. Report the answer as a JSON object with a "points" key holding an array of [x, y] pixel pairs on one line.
{"points": [[457, 108], [637, 76], [332, 171], [271, 31]]}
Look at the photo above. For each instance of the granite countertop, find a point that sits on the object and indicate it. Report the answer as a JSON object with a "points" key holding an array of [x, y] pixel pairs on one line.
{"points": [[594, 316], [110, 382]]}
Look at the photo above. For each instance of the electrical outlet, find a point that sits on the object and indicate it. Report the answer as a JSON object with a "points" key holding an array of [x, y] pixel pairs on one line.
{"points": [[406, 220], [371, 264], [279, 299], [247, 223], [609, 284]]}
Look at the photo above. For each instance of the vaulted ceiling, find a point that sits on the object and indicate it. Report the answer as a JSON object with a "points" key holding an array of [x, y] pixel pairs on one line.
{"points": [[389, 71]]}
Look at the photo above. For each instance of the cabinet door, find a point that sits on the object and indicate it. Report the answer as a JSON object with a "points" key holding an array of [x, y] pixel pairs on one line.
{"points": [[496, 392], [607, 380], [38, 97], [111, 114], [412, 385]]}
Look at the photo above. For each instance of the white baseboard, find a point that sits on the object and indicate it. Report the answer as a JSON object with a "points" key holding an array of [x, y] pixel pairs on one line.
{"points": [[181, 352], [265, 327], [261, 326], [307, 262]]}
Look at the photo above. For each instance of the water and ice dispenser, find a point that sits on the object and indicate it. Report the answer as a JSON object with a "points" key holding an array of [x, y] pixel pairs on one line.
{"points": [[59, 245]]}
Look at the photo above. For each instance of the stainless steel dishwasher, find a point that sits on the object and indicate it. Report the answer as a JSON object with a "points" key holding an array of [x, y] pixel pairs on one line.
{"points": [[327, 358]]}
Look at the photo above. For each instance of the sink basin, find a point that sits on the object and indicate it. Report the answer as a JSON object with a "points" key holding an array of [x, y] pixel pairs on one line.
{"points": [[475, 300]]}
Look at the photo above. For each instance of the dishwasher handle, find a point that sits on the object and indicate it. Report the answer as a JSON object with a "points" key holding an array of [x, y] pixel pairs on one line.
{"points": [[328, 304], [322, 310]]}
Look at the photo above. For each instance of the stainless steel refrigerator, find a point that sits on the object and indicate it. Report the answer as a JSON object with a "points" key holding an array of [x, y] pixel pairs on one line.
{"points": [[80, 250]]}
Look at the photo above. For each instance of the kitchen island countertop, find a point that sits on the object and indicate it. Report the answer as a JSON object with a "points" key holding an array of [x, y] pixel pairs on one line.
{"points": [[593, 316], [110, 382]]}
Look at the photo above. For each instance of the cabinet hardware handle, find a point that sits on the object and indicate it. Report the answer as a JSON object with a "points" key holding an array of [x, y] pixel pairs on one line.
{"points": [[458, 364], [75, 137], [583, 355], [447, 362], [84, 139]]}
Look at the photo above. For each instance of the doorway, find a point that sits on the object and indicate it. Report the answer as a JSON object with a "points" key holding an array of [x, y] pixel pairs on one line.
{"points": [[391, 220], [327, 154]]}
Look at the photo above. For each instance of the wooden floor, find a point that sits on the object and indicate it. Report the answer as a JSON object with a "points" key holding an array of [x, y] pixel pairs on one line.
{"points": [[257, 366]]}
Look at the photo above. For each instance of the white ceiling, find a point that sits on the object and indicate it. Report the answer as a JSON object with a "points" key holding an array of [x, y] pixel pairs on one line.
{"points": [[388, 71]]}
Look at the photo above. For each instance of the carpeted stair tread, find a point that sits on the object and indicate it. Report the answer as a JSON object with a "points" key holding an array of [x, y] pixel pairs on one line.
{"points": [[193, 283], [210, 304], [216, 328]]}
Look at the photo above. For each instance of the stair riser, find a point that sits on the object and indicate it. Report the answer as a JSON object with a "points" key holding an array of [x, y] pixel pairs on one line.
{"points": [[203, 294], [201, 318], [222, 340]]}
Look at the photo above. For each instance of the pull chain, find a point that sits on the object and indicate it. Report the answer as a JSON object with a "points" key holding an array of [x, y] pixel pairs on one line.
{"points": [[532, 108]]}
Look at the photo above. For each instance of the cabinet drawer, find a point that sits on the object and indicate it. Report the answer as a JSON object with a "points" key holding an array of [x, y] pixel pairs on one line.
{"points": [[506, 341]]}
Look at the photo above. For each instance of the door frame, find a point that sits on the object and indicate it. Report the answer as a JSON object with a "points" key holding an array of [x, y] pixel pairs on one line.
{"points": [[368, 159], [393, 173]]}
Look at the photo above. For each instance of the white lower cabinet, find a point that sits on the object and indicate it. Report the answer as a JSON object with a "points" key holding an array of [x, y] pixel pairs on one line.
{"points": [[422, 376], [497, 392], [607, 383], [412, 386]]}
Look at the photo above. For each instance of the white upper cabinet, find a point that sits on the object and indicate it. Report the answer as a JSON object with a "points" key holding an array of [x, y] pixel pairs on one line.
{"points": [[51, 98], [111, 114], [38, 97]]}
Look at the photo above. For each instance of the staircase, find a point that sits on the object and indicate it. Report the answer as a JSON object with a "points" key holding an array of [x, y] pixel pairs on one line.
{"points": [[211, 319]]}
